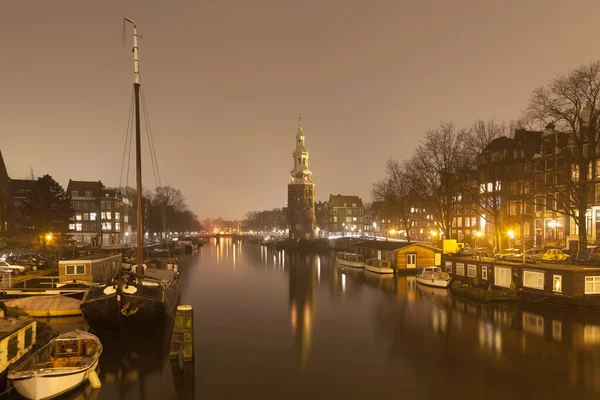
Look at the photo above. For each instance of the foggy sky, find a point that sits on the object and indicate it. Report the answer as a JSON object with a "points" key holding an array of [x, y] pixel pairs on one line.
{"points": [[225, 80]]}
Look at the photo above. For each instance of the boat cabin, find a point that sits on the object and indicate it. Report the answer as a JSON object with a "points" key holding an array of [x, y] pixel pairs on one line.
{"points": [[374, 262], [351, 257], [17, 338], [93, 268], [417, 255]]}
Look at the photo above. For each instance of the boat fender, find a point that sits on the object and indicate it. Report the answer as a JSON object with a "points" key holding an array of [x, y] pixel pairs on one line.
{"points": [[94, 379], [110, 290]]}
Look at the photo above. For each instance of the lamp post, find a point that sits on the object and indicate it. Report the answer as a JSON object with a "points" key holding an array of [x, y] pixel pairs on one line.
{"points": [[478, 234], [511, 235]]}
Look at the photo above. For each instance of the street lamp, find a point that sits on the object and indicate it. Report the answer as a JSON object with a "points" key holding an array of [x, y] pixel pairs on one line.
{"points": [[511, 235]]}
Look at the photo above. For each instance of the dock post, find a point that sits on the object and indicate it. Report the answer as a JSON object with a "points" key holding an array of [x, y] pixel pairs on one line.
{"points": [[182, 341]]}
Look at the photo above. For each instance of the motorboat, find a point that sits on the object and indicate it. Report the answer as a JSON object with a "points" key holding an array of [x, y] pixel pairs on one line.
{"points": [[57, 367], [350, 259], [433, 276], [378, 266]]}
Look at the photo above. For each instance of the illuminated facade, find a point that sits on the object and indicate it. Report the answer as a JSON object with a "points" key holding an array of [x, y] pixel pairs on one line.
{"points": [[301, 193]]}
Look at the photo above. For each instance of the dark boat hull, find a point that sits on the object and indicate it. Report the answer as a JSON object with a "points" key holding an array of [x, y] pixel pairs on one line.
{"points": [[99, 309], [149, 306]]}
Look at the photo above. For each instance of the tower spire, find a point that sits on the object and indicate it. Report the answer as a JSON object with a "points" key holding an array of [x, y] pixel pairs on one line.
{"points": [[300, 122]]}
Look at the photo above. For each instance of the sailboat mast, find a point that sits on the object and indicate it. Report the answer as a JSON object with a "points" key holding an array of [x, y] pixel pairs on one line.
{"points": [[138, 151]]}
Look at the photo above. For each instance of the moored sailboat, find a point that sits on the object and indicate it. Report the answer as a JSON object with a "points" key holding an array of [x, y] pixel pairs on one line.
{"points": [[144, 296]]}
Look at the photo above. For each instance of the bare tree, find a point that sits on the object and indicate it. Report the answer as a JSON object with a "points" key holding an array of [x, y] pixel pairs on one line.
{"points": [[396, 190], [485, 195], [572, 102], [438, 169]]}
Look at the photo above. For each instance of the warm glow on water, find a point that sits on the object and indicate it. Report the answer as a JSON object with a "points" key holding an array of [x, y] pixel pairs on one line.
{"points": [[296, 326]]}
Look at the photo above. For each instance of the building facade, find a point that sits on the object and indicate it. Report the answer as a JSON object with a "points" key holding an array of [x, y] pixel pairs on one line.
{"points": [[346, 215], [301, 193]]}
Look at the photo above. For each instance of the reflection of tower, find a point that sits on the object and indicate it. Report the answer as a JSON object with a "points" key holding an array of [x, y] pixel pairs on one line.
{"points": [[302, 306], [301, 193]]}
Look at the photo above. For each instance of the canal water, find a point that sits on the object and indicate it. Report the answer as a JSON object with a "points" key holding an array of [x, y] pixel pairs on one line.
{"points": [[278, 325]]}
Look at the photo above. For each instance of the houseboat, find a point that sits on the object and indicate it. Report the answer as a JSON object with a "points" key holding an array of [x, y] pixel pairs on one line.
{"points": [[90, 269], [433, 276], [378, 266], [350, 259]]}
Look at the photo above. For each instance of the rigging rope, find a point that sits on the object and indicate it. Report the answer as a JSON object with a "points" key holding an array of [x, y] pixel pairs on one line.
{"points": [[127, 140]]}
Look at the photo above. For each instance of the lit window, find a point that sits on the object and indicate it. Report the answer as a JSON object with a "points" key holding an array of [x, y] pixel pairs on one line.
{"points": [[106, 226], [72, 227], [92, 216], [78, 217], [117, 216], [557, 283], [592, 284], [126, 218], [534, 280], [109, 215], [78, 227], [117, 226], [74, 193]]}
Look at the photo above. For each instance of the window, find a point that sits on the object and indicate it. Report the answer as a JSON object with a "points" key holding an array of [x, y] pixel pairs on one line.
{"points": [[502, 277], [460, 222], [75, 270], [77, 217], [467, 222], [449, 267], [298, 227], [76, 205], [28, 337], [72, 227], [557, 283], [539, 204], [13, 347], [118, 216], [460, 269], [126, 218], [348, 219], [534, 280], [117, 226], [471, 270], [592, 284], [74, 193], [411, 260], [334, 219], [484, 270], [354, 219], [107, 226], [515, 207], [92, 216], [88, 193], [78, 227], [473, 222], [86, 216]]}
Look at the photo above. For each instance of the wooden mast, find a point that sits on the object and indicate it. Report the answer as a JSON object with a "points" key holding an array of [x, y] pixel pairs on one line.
{"points": [[138, 153]]}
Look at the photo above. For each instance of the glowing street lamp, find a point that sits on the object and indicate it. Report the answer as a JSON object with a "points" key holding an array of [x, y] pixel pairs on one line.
{"points": [[511, 235]]}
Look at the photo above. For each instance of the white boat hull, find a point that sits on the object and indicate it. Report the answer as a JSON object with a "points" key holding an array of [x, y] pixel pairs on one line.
{"points": [[49, 384], [354, 264], [443, 283], [379, 270]]}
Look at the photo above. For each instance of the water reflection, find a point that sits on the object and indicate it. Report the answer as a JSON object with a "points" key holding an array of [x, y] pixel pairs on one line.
{"points": [[294, 324]]}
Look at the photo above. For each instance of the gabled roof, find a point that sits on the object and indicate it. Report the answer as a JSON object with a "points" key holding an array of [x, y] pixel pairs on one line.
{"points": [[85, 186], [16, 186], [339, 200], [3, 173]]}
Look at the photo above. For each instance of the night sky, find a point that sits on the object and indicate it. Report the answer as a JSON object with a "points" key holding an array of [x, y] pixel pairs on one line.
{"points": [[225, 80]]}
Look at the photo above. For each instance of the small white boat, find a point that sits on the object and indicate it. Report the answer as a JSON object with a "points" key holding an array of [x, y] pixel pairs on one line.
{"points": [[350, 259], [57, 367], [379, 266], [433, 276]]}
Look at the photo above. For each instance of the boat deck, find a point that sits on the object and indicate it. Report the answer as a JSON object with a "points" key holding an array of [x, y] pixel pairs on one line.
{"points": [[11, 325]]}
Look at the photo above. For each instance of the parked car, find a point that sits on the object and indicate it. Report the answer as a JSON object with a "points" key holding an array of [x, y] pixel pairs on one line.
{"points": [[483, 252], [533, 255], [515, 255], [19, 269], [504, 253], [584, 256], [555, 255]]}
